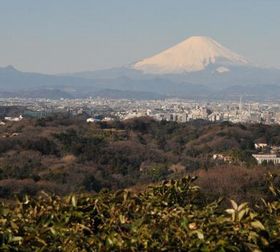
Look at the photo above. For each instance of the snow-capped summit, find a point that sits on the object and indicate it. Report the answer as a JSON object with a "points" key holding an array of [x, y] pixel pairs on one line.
{"points": [[193, 54]]}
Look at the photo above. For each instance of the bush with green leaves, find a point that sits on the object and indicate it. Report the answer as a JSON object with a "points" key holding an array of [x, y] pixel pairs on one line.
{"points": [[167, 217]]}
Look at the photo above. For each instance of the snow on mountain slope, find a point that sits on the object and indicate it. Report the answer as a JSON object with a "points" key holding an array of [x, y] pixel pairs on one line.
{"points": [[191, 55]]}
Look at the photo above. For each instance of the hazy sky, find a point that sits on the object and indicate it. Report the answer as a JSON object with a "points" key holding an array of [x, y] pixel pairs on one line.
{"points": [[53, 36]]}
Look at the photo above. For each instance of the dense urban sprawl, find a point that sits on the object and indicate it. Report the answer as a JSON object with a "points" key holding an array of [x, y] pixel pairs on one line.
{"points": [[169, 109]]}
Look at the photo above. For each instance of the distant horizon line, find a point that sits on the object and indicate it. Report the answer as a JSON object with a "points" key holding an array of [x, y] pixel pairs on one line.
{"points": [[126, 66]]}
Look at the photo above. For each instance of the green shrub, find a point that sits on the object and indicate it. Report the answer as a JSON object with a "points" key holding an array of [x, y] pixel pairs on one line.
{"points": [[165, 217]]}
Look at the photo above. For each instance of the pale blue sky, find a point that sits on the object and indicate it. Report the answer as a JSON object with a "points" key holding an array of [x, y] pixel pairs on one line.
{"points": [[53, 36]]}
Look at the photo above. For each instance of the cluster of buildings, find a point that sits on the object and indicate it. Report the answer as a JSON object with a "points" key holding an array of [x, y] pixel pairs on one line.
{"points": [[168, 109], [184, 111]]}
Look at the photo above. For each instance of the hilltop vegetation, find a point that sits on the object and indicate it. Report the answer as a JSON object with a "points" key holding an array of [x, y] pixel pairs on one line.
{"points": [[62, 155]]}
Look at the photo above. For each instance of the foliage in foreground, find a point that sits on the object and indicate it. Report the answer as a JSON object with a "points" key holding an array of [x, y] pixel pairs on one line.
{"points": [[166, 217]]}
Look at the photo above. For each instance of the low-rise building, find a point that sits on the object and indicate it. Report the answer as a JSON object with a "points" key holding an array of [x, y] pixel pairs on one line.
{"points": [[92, 120], [222, 157], [267, 158], [13, 119], [260, 145]]}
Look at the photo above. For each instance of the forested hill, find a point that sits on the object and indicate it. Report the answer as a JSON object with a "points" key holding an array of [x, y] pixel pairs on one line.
{"points": [[62, 155]]}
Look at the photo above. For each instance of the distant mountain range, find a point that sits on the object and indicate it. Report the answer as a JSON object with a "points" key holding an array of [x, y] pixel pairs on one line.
{"points": [[197, 68]]}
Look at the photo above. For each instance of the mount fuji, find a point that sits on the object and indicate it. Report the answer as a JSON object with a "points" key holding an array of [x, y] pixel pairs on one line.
{"points": [[191, 55]]}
